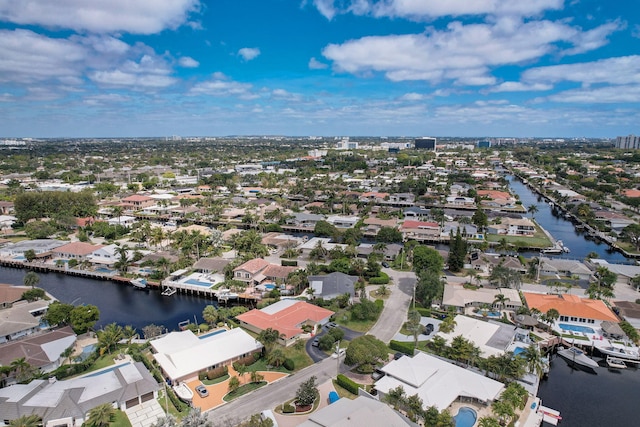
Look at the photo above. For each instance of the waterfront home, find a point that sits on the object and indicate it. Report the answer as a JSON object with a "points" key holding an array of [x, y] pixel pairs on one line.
{"points": [[248, 271], [625, 272], [416, 213], [616, 221], [41, 351], [629, 311], [420, 230], [10, 294], [572, 308], [22, 318], [437, 382], [567, 268], [493, 338], [326, 243], [137, 202], [211, 265], [368, 411], [66, 403], [288, 317], [124, 220], [182, 356], [513, 227], [486, 262], [107, 255], [458, 298], [41, 247], [372, 225], [333, 285], [340, 221], [79, 251]]}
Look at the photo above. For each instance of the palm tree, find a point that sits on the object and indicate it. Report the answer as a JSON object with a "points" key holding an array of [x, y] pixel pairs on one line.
{"points": [[532, 210], [234, 384], [22, 368], [241, 370], [129, 333], [533, 359], [166, 421], [26, 421], [488, 422], [117, 211], [101, 415], [448, 324], [503, 410], [413, 325], [276, 357], [109, 336], [551, 316], [501, 301], [256, 376], [123, 260], [31, 279], [197, 419], [268, 337]]}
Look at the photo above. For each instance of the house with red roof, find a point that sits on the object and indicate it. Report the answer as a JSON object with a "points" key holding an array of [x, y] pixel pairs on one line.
{"points": [[420, 230], [249, 271], [137, 201], [572, 308], [288, 317], [75, 250]]}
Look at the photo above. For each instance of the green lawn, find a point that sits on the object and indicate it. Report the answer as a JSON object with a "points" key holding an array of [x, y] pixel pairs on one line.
{"points": [[242, 390], [215, 380], [120, 420], [539, 239], [300, 357], [577, 337], [343, 317]]}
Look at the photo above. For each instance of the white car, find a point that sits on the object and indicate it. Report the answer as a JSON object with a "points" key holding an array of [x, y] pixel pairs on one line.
{"points": [[341, 352]]}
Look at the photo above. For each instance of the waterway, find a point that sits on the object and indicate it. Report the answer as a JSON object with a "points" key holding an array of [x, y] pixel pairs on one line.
{"points": [[606, 398], [118, 303], [562, 229]]}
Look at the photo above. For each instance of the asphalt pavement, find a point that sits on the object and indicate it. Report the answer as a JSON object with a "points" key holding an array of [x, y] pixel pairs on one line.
{"points": [[394, 313]]}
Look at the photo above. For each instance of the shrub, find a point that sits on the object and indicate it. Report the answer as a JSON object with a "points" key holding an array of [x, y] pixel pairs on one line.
{"points": [[289, 364], [403, 347], [348, 384], [336, 334], [288, 409], [424, 312], [217, 372], [289, 263], [381, 279], [326, 342]]}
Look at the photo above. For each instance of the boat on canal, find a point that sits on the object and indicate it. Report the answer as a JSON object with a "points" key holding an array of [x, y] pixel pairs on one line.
{"points": [[627, 353], [615, 363], [139, 283], [577, 357]]}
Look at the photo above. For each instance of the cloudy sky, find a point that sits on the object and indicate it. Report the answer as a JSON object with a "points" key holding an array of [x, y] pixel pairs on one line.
{"points": [[319, 67]]}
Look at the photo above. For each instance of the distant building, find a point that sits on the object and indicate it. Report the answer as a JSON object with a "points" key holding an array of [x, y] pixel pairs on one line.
{"points": [[631, 142], [425, 143], [484, 144]]}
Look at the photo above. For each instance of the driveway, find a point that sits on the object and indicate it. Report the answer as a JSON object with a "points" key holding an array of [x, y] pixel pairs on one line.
{"points": [[394, 313], [316, 354]]}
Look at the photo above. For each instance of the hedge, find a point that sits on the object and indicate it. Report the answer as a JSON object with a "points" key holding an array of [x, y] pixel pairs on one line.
{"points": [[379, 303], [403, 347], [212, 374], [288, 409], [177, 403], [381, 279], [348, 384], [289, 364], [424, 312], [289, 263]]}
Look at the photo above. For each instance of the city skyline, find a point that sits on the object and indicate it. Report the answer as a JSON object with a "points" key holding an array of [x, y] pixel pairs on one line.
{"points": [[542, 68]]}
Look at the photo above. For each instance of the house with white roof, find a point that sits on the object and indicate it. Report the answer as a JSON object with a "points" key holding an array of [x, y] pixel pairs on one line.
{"points": [[67, 403], [183, 355], [437, 382], [368, 412], [492, 338]]}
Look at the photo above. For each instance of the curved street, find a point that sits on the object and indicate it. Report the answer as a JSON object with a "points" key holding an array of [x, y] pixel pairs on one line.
{"points": [[394, 313]]}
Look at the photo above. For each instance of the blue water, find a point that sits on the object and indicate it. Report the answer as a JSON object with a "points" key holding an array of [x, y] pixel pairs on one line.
{"points": [[210, 334], [104, 270], [576, 328], [517, 351], [86, 352], [198, 283], [269, 287], [466, 417], [95, 374]]}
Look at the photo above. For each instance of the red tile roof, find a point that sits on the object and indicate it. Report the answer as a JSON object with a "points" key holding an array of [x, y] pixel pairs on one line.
{"points": [[631, 193], [419, 224], [253, 266], [495, 194], [137, 198], [571, 305], [288, 320], [77, 248]]}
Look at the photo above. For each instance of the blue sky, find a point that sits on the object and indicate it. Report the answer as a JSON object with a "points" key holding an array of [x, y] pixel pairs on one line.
{"points": [[81, 68]]}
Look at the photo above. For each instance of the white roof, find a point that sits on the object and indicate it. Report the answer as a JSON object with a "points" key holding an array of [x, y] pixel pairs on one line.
{"points": [[181, 355], [456, 295], [344, 412], [436, 382], [478, 332], [279, 306]]}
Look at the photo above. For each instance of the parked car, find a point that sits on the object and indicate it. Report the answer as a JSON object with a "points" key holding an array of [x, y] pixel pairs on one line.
{"points": [[202, 391], [315, 342], [377, 374], [331, 325], [341, 352], [397, 356], [428, 329], [385, 264]]}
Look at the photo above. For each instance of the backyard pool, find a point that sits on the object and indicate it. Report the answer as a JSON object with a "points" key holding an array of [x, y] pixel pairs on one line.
{"points": [[198, 283], [517, 350], [210, 334], [466, 417], [576, 328]]}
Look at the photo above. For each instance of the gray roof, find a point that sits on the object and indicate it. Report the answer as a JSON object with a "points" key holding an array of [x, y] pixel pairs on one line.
{"points": [[361, 411], [38, 350], [503, 336], [76, 397], [38, 245], [19, 318], [211, 264], [333, 284]]}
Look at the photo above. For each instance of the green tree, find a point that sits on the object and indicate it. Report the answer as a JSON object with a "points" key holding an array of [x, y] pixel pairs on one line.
{"points": [[58, 313], [389, 235], [306, 393], [426, 258], [234, 384], [480, 219], [101, 415], [365, 351], [166, 421], [429, 287], [631, 233], [30, 255], [413, 325], [276, 357], [268, 337], [533, 359], [457, 252], [210, 314], [26, 421], [31, 279], [109, 336], [448, 325], [22, 369], [83, 317], [488, 422], [33, 294], [195, 418]]}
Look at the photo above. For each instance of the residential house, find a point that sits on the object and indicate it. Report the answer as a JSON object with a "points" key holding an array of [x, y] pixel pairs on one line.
{"points": [[513, 227], [629, 311], [564, 268], [137, 202], [124, 220], [41, 351], [616, 221], [211, 265], [107, 255], [182, 356], [288, 317], [10, 294], [372, 225], [390, 250], [41, 247], [401, 199], [340, 221], [459, 298], [572, 308], [79, 251], [416, 213], [460, 202], [484, 263], [333, 285], [249, 271], [367, 412], [437, 382], [304, 220], [625, 272], [66, 403], [493, 338], [6, 208], [420, 230], [21, 319]]}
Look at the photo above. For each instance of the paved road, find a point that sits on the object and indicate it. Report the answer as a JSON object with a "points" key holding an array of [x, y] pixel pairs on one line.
{"points": [[231, 414], [396, 306]]}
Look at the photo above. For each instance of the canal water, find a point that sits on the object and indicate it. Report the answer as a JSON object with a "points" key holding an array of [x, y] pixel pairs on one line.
{"points": [[562, 229], [118, 303], [604, 398]]}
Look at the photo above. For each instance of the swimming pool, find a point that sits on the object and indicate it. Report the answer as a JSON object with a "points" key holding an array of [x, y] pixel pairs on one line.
{"points": [[517, 350], [210, 334], [576, 328], [198, 283], [466, 417]]}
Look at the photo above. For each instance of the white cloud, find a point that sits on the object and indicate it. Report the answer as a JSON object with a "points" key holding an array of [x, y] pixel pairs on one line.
{"points": [[149, 72], [619, 71], [249, 53], [600, 95], [137, 17], [221, 85], [314, 64], [105, 99], [428, 9], [520, 87], [412, 96], [188, 62], [285, 95]]}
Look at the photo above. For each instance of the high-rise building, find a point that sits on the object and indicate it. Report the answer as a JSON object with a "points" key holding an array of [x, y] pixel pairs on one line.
{"points": [[484, 144], [630, 142], [426, 143]]}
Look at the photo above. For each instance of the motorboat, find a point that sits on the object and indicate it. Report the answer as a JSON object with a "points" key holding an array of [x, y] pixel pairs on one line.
{"points": [[169, 291], [183, 392], [577, 357], [226, 295], [616, 363], [628, 353], [139, 283]]}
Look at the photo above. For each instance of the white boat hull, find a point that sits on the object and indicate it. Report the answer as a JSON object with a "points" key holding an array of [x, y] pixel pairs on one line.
{"points": [[578, 357]]}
